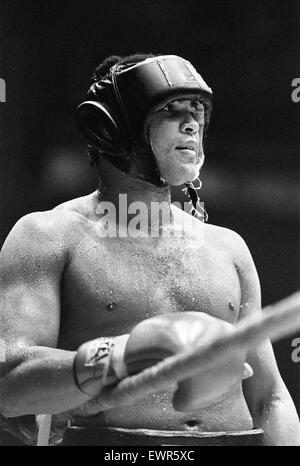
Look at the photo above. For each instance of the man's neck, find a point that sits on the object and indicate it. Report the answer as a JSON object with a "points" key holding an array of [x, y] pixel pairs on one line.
{"points": [[135, 189], [123, 192]]}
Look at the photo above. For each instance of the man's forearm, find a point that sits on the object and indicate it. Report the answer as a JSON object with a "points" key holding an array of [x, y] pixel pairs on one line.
{"points": [[280, 423], [41, 381]]}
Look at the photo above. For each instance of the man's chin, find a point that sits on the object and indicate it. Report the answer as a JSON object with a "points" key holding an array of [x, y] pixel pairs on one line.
{"points": [[184, 177]]}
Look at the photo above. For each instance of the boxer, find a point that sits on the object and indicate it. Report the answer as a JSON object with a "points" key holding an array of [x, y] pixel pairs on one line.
{"points": [[82, 312]]}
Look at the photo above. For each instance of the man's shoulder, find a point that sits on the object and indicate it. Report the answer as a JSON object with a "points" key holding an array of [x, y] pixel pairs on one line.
{"points": [[224, 235], [42, 224], [35, 239], [60, 218], [54, 228], [230, 241]]}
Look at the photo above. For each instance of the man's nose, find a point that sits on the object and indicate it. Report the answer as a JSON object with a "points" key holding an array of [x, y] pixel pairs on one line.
{"points": [[189, 125]]}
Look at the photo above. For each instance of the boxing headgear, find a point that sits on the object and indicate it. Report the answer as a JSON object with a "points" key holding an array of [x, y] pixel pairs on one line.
{"points": [[113, 119]]}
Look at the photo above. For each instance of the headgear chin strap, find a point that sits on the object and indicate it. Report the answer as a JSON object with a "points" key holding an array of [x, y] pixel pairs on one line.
{"points": [[113, 118]]}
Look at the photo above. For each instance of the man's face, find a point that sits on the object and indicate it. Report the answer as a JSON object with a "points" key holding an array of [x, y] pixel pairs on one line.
{"points": [[176, 134]]}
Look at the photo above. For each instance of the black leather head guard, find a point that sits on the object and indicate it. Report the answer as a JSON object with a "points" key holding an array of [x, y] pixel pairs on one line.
{"points": [[113, 119]]}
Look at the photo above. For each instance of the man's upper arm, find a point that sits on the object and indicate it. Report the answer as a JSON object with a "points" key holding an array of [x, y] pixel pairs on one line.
{"points": [[266, 383], [31, 263]]}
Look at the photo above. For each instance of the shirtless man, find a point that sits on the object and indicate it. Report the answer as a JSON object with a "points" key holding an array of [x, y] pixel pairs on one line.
{"points": [[64, 283]]}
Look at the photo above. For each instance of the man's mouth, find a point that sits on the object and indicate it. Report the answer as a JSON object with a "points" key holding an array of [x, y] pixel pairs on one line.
{"points": [[187, 149]]}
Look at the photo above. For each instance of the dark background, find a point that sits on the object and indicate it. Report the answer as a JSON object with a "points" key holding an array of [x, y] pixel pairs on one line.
{"points": [[246, 50]]}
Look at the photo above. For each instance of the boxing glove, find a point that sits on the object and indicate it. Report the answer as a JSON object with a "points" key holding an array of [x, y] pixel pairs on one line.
{"points": [[154, 339]]}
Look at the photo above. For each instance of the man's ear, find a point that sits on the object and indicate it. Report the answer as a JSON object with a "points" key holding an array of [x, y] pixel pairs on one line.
{"points": [[96, 124]]}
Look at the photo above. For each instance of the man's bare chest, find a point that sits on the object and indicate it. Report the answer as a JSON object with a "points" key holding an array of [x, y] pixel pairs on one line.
{"points": [[112, 285]]}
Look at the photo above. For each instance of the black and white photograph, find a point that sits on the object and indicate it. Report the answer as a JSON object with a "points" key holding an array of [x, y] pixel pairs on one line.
{"points": [[149, 225]]}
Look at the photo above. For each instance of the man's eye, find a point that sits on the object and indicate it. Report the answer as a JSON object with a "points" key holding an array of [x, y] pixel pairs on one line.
{"points": [[198, 105], [167, 108]]}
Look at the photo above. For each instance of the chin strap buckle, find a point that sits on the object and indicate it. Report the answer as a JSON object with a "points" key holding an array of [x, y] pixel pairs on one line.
{"points": [[197, 208]]}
